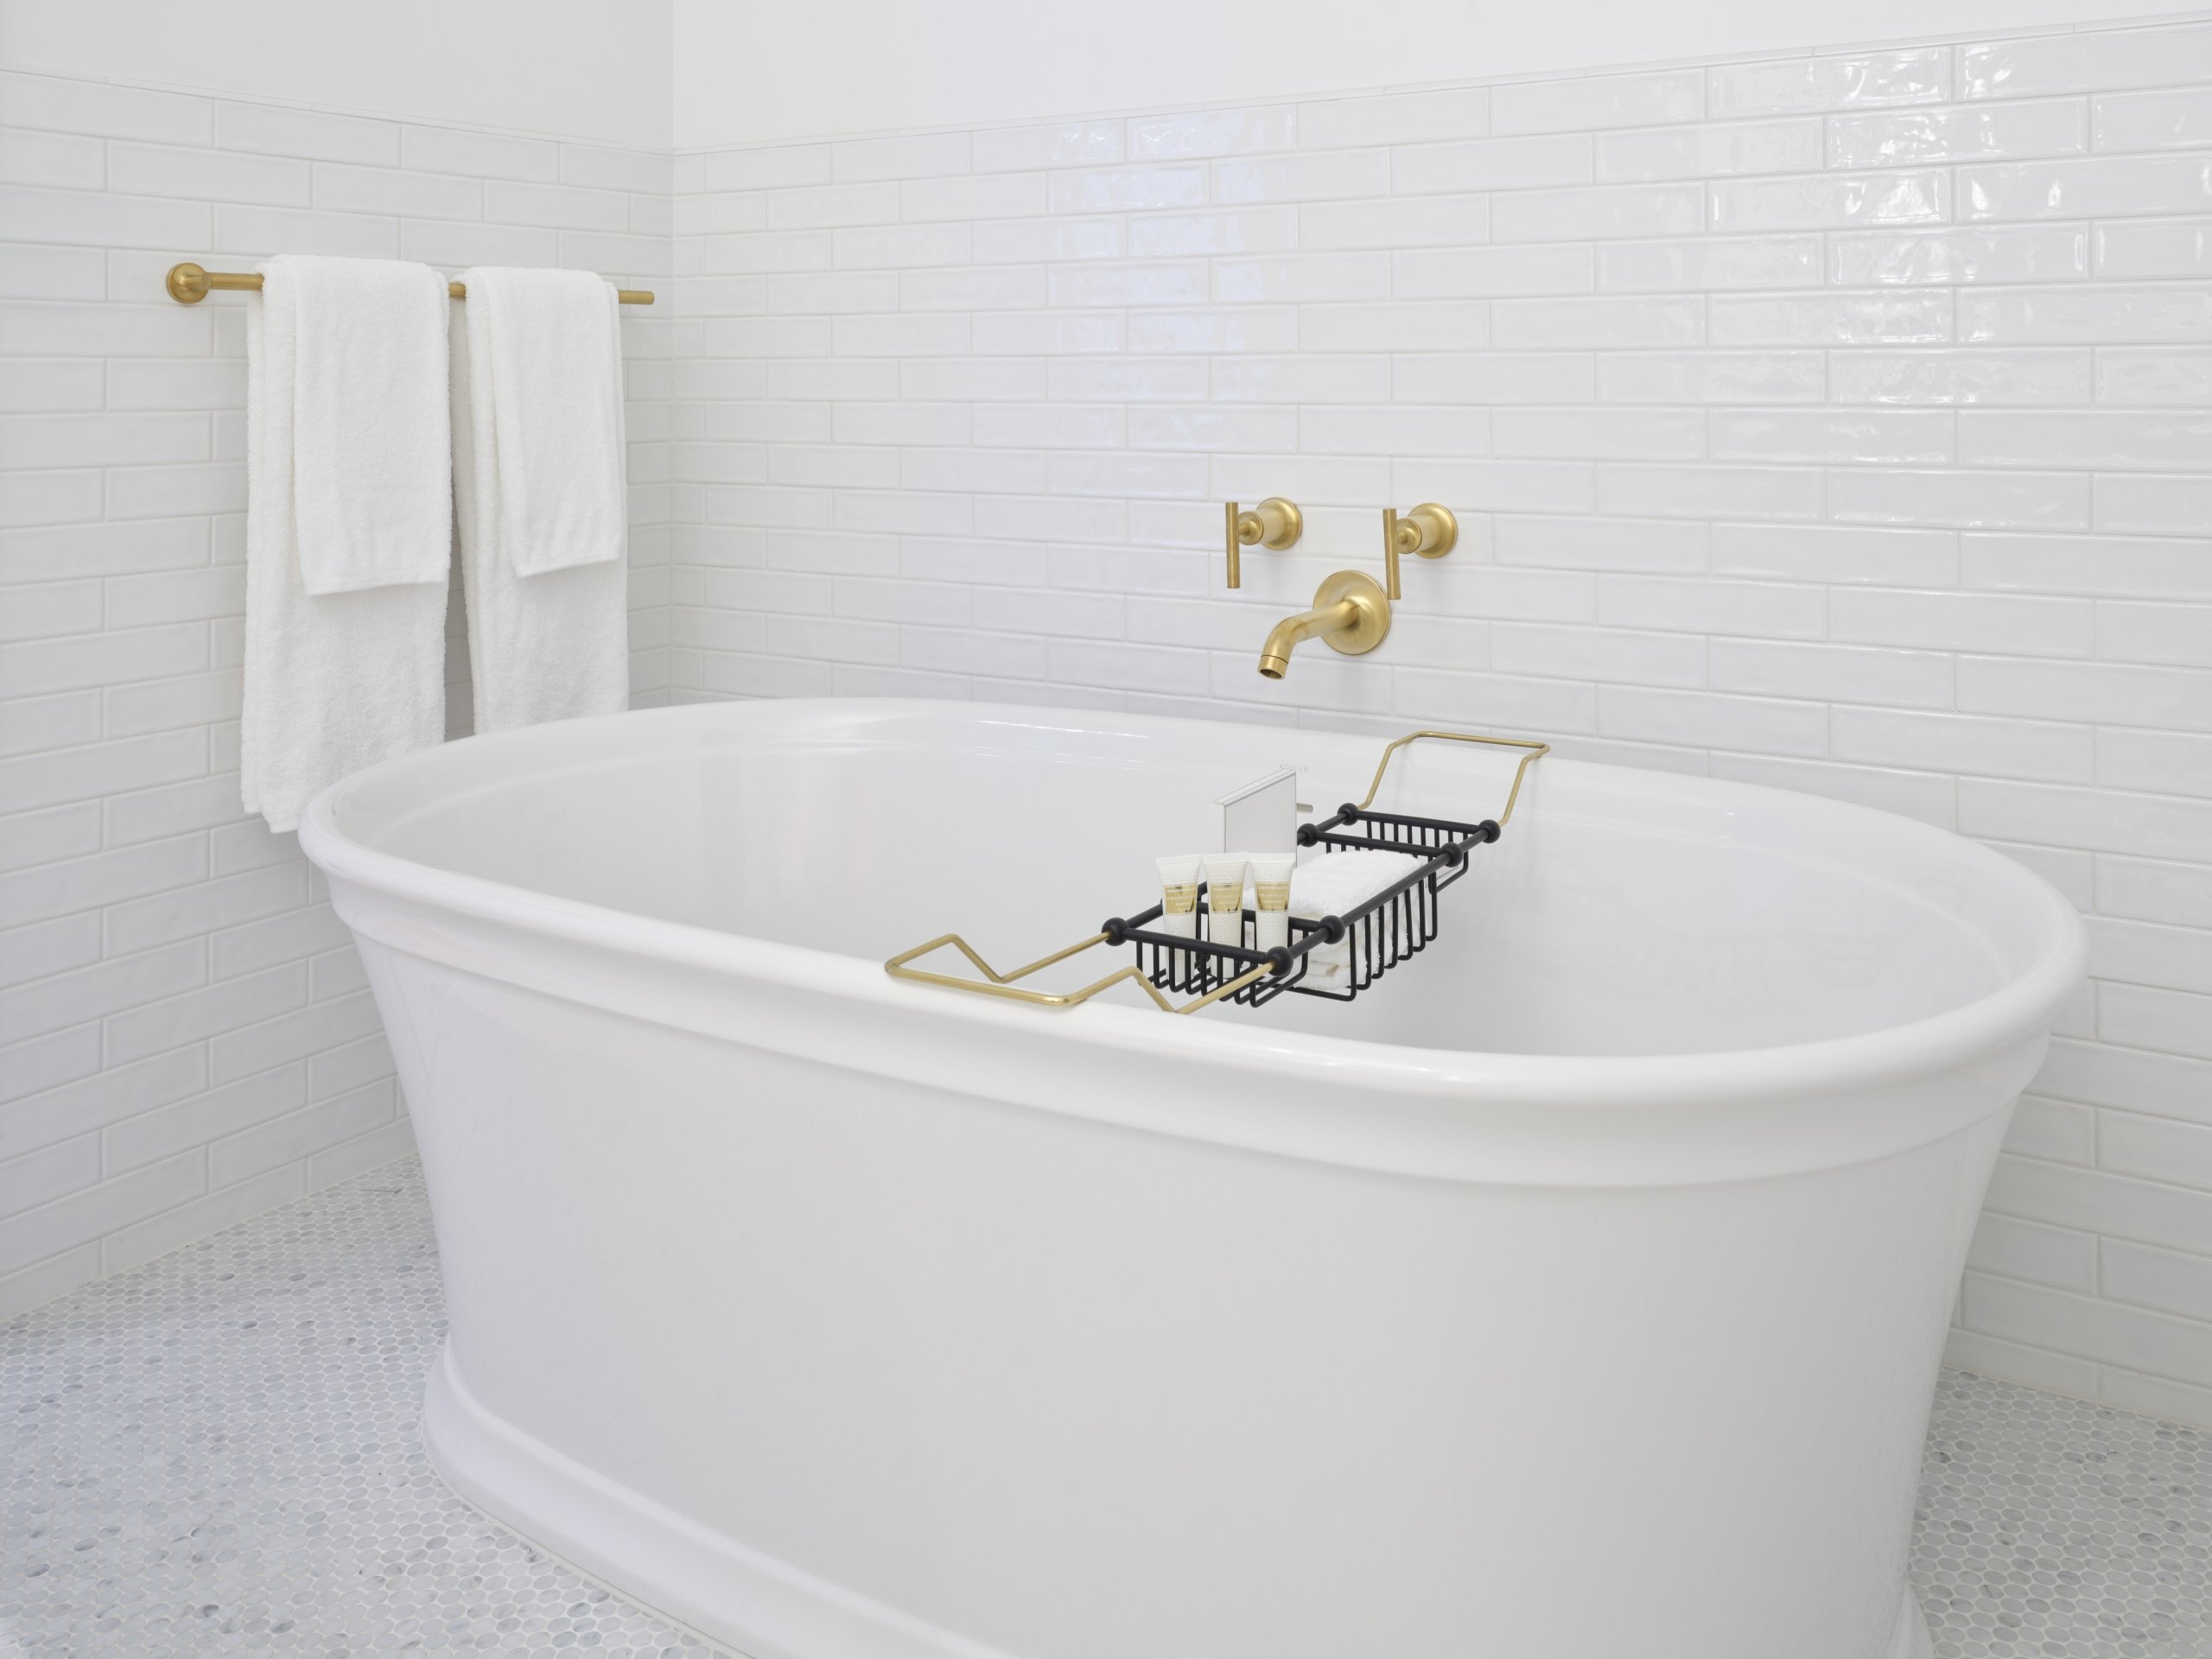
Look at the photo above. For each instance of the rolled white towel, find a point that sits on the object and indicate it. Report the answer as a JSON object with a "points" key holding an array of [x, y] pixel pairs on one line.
{"points": [[1335, 883]]}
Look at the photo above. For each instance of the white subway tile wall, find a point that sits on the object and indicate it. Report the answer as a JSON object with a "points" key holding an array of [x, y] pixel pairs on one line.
{"points": [[185, 1037], [1842, 423]]}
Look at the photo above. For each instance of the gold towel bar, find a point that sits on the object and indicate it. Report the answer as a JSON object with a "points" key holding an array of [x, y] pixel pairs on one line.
{"points": [[188, 285]]}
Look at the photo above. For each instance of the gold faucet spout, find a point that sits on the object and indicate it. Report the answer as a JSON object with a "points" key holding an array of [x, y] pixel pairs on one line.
{"points": [[1350, 612], [1294, 630]]}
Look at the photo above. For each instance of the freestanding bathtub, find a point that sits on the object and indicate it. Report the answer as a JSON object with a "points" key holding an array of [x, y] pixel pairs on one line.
{"points": [[1576, 1294]]}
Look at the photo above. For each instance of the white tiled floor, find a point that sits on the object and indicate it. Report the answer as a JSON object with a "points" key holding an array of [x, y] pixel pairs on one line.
{"points": [[216, 1453]]}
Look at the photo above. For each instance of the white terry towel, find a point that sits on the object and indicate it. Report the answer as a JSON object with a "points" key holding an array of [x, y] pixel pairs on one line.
{"points": [[540, 494], [1336, 882], [372, 457], [348, 526]]}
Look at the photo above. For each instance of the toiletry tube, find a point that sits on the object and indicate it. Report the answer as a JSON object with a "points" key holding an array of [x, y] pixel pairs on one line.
{"points": [[1178, 895], [1178, 909], [1271, 898], [1225, 898]]}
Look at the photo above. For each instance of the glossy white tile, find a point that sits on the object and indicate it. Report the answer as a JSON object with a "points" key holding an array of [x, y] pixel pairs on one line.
{"points": [[1831, 81], [1715, 150]]}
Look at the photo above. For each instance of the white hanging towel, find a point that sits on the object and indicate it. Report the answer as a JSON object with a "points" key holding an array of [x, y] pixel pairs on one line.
{"points": [[540, 494], [349, 512]]}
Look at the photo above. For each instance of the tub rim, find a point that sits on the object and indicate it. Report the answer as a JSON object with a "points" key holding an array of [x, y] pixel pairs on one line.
{"points": [[2021, 1009]]}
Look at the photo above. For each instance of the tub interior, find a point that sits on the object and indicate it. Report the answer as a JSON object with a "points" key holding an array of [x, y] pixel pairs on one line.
{"points": [[1623, 913]]}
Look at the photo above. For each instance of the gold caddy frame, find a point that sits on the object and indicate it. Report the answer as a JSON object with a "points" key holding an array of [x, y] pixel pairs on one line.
{"points": [[995, 983]]}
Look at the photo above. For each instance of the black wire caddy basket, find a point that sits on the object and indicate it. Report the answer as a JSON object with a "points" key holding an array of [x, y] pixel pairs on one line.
{"points": [[1335, 957]]}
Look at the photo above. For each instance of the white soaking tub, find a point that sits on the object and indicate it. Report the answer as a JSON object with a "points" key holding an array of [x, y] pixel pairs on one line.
{"points": [[1576, 1294]]}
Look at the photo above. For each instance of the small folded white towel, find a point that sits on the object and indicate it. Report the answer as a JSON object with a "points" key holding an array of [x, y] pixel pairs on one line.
{"points": [[540, 495], [338, 679], [554, 372], [372, 457], [1334, 883]]}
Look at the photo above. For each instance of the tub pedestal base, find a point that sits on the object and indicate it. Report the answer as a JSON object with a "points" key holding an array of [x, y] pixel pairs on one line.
{"points": [[764, 1607], [1913, 1640]]}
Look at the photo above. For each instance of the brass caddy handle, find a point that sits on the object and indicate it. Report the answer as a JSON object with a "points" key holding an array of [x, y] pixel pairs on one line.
{"points": [[1274, 523]]}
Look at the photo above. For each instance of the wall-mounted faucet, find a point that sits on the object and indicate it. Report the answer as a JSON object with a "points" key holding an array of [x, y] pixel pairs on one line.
{"points": [[1351, 611]]}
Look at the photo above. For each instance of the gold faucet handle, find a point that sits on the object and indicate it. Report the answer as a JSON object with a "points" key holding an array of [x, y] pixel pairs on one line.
{"points": [[1429, 530], [1274, 523]]}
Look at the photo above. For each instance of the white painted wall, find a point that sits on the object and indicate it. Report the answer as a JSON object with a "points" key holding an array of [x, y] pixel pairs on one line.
{"points": [[763, 70], [593, 69]]}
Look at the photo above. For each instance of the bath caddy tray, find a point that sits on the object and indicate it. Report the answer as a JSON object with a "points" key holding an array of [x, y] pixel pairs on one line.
{"points": [[1376, 936]]}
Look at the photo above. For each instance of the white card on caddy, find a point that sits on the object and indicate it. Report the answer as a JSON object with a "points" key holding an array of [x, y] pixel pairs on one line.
{"points": [[1260, 817]]}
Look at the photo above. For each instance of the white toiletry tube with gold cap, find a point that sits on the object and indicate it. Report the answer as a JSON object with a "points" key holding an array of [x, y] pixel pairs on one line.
{"points": [[1225, 897], [1271, 874], [1179, 906], [1178, 895]]}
